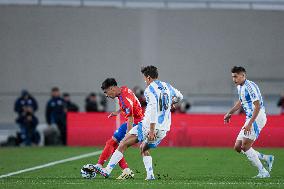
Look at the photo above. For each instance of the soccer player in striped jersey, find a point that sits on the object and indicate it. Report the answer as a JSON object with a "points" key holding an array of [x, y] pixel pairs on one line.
{"points": [[160, 96], [252, 102], [131, 110]]}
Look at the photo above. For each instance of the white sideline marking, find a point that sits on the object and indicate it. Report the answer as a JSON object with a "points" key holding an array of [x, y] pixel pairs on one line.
{"points": [[52, 163]]}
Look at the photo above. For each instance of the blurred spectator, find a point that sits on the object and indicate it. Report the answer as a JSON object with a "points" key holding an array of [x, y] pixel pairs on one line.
{"points": [[25, 103], [103, 103], [139, 93], [55, 114], [91, 103], [182, 107], [281, 104], [29, 134], [69, 105]]}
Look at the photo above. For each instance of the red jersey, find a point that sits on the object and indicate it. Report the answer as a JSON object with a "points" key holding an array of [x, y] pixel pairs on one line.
{"points": [[130, 105]]}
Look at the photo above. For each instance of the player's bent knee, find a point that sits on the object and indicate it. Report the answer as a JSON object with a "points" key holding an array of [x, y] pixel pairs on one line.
{"points": [[245, 148], [122, 146], [238, 149]]}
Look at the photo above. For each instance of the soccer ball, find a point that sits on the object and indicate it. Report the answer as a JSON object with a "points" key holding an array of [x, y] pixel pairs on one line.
{"points": [[88, 171]]}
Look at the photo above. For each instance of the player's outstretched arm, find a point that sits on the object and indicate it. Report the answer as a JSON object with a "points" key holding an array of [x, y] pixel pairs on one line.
{"points": [[228, 115], [113, 113], [177, 96]]}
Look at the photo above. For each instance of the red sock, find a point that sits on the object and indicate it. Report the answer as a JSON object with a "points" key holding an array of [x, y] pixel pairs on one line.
{"points": [[123, 164], [110, 146]]}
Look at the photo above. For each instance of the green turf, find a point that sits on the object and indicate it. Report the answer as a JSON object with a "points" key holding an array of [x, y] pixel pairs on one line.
{"points": [[173, 167]]}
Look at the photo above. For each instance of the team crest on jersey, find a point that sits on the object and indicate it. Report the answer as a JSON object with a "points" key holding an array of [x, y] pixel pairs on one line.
{"points": [[127, 111], [253, 95]]}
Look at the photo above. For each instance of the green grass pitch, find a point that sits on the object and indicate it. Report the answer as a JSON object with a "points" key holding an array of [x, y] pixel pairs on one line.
{"points": [[173, 168]]}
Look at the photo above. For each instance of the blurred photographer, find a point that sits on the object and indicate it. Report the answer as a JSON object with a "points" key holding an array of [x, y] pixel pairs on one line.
{"points": [[69, 105], [91, 103], [181, 107], [29, 135], [281, 104], [25, 105], [139, 93]]}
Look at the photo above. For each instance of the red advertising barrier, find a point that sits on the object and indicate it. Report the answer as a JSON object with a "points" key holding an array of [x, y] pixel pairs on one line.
{"points": [[199, 130]]}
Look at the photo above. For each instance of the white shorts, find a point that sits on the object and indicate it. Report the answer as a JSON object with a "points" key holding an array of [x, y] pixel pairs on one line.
{"points": [[142, 133], [257, 126]]}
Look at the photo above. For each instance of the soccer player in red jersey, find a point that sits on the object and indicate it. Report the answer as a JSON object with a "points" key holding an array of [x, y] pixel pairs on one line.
{"points": [[131, 110]]}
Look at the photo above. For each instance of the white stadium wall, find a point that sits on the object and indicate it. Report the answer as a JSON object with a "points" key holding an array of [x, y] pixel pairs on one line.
{"points": [[76, 48]]}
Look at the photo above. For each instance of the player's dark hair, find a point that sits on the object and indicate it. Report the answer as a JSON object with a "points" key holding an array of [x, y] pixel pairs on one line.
{"points": [[151, 71], [109, 82], [238, 69]]}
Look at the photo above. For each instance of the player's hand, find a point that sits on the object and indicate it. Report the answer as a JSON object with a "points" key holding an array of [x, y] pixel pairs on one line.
{"points": [[227, 118], [173, 106], [112, 114], [151, 135], [247, 129]]}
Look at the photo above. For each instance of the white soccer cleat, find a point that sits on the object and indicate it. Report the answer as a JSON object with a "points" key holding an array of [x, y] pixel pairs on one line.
{"points": [[101, 171], [150, 177], [96, 167], [99, 165], [126, 174], [269, 162], [262, 174]]}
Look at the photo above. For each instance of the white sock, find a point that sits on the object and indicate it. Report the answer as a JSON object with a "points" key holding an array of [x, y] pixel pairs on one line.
{"points": [[261, 156], [252, 156], [147, 160], [115, 158]]}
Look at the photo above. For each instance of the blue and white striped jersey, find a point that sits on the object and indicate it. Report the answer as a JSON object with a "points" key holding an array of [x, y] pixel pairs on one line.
{"points": [[249, 93], [159, 96]]}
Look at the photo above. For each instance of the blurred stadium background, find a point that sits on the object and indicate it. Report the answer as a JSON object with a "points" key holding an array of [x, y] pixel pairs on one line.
{"points": [[76, 44]]}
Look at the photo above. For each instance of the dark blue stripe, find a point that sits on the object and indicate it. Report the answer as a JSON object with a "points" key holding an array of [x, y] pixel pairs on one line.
{"points": [[122, 101]]}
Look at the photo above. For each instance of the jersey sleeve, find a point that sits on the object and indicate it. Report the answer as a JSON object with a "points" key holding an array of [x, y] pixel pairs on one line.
{"points": [[176, 94], [151, 105], [239, 92], [252, 92]]}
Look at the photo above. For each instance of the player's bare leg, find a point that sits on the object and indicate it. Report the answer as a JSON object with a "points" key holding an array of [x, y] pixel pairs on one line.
{"points": [[269, 159], [147, 160], [128, 140], [253, 158], [110, 147], [238, 146]]}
